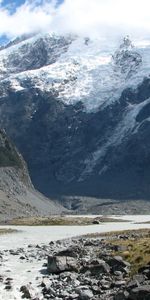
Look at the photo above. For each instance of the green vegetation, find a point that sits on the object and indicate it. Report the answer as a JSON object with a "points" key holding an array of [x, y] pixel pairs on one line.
{"points": [[6, 231], [8, 154], [61, 220], [8, 158], [137, 251], [135, 248]]}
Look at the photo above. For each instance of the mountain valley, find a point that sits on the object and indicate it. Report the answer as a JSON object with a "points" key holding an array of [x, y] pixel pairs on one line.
{"points": [[79, 115]]}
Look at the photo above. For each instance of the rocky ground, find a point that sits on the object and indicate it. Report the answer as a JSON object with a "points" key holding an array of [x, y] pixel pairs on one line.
{"points": [[93, 205], [81, 269]]}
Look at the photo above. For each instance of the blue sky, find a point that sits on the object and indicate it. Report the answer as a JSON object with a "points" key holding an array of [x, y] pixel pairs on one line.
{"points": [[11, 5], [3, 40], [18, 2]]}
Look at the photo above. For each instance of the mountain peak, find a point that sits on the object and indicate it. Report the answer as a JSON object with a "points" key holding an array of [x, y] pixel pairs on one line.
{"points": [[75, 107], [72, 67], [127, 59], [127, 44]]}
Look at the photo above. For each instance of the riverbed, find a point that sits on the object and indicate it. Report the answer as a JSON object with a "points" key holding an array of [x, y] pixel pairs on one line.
{"points": [[23, 271]]}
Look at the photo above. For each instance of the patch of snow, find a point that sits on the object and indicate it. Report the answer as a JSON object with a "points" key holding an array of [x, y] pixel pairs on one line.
{"points": [[85, 72], [126, 126], [15, 85]]}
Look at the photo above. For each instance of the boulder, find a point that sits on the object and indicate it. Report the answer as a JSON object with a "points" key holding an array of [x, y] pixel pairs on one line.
{"points": [[140, 278], [132, 284], [118, 264], [25, 291], [84, 293], [73, 251], [96, 267], [122, 295], [140, 293], [58, 264], [96, 222], [145, 270]]}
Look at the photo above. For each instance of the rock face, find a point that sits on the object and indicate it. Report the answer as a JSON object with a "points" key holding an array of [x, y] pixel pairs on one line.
{"points": [[17, 194], [12, 166], [83, 116]]}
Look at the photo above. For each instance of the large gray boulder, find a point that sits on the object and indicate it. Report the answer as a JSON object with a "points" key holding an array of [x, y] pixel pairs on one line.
{"points": [[96, 267], [118, 264], [84, 293], [58, 264], [140, 293]]}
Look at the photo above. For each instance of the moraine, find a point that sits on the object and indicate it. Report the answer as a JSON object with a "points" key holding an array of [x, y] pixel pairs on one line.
{"points": [[19, 250]]}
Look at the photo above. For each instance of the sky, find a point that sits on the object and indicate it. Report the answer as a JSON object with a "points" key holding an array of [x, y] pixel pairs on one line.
{"points": [[107, 19]]}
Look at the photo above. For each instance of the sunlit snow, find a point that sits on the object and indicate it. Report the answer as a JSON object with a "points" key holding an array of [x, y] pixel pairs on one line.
{"points": [[84, 73]]}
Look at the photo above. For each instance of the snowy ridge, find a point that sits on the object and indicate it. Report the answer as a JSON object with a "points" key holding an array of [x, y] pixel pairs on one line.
{"points": [[85, 107], [127, 126], [76, 68]]}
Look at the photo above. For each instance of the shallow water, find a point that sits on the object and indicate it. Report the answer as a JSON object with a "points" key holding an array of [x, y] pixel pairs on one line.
{"points": [[44, 234], [19, 270]]}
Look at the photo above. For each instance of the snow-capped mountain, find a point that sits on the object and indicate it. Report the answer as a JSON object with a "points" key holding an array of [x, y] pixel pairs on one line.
{"points": [[78, 110], [71, 66]]}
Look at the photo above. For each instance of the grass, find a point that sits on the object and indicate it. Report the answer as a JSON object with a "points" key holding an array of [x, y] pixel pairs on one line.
{"points": [[137, 251], [60, 221], [136, 248], [148, 222], [6, 231], [9, 156]]}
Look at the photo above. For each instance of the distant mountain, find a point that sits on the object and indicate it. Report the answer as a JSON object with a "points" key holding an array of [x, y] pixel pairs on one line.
{"points": [[79, 113], [17, 195]]}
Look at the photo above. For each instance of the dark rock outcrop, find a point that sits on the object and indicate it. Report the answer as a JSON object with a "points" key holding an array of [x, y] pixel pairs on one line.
{"points": [[103, 153], [17, 194]]}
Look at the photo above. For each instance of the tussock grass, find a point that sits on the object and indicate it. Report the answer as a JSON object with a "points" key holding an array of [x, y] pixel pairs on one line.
{"points": [[60, 221], [6, 231], [135, 245], [137, 251]]}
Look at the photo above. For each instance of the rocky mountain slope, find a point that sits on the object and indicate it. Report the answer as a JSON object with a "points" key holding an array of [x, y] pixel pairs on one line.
{"points": [[17, 195], [82, 109]]}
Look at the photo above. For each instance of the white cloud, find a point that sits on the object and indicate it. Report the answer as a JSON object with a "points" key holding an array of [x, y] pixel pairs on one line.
{"points": [[28, 17], [105, 18]]}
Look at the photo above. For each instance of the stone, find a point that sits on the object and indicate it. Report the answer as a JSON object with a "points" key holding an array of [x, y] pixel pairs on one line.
{"points": [[73, 296], [119, 248], [105, 284], [118, 273], [132, 284], [8, 287], [22, 257], [145, 270], [96, 222], [26, 293], [140, 278], [58, 264], [71, 251], [140, 293], [118, 264], [122, 295], [119, 283], [96, 267], [84, 293]]}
